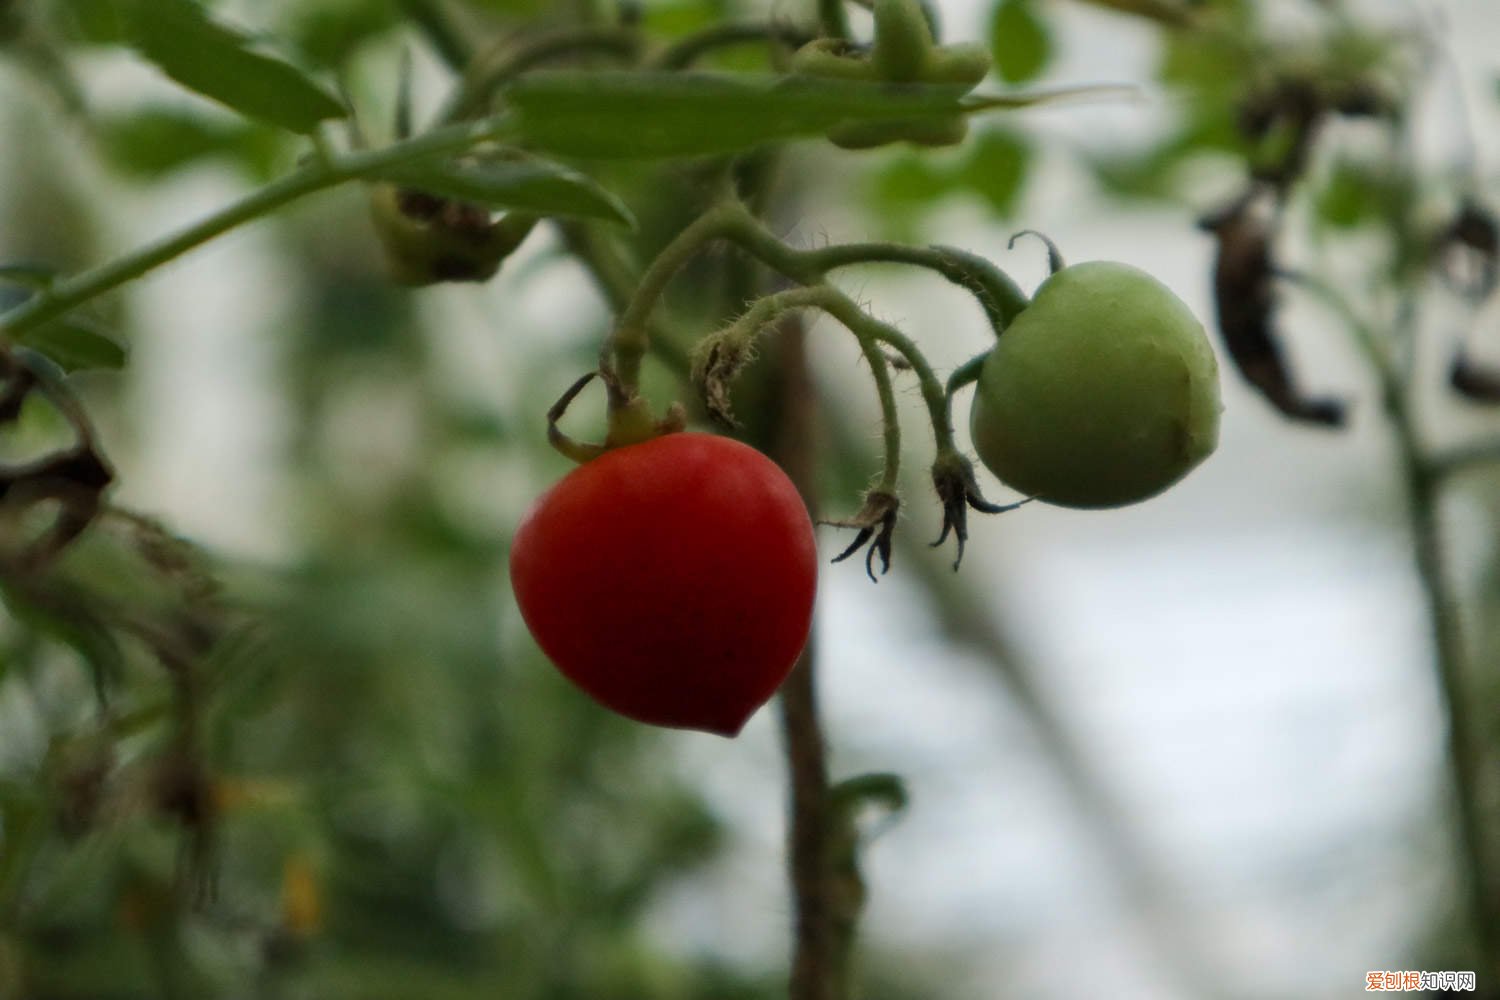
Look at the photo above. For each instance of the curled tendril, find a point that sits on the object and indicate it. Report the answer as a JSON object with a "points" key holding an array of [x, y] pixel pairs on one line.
{"points": [[876, 523], [958, 490]]}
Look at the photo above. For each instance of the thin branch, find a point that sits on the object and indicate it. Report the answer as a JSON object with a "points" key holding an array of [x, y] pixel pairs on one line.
{"points": [[317, 175]]}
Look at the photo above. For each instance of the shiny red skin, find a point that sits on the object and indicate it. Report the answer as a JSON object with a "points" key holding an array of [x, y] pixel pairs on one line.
{"points": [[672, 580]]}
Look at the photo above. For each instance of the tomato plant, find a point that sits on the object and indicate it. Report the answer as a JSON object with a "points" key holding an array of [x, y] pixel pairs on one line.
{"points": [[1104, 391], [672, 575], [672, 580]]}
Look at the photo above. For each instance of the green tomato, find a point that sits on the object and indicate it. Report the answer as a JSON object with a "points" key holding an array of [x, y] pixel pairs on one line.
{"points": [[831, 59], [1102, 392], [903, 41]]}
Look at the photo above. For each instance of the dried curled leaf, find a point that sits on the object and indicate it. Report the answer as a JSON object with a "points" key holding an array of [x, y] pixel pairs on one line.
{"points": [[1244, 294]]}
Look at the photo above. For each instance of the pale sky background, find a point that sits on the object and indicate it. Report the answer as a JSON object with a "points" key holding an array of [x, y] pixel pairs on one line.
{"points": [[1243, 663]]}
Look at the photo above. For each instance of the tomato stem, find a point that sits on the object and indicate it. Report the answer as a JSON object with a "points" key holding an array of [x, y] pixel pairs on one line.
{"points": [[1424, 478], [996, 293], [317, 175]]}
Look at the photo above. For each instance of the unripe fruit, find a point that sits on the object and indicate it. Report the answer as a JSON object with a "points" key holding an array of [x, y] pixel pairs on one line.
{"points": [[903, 41], [672, 580], [965, 63], [831, 59], [1102, 392]]}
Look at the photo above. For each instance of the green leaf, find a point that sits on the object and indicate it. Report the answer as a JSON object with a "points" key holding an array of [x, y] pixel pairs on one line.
{"points": [[909, 182], [217, 62], [95, 22], [1351, 195], [531, 185], [75, 347], [1170, 13], [157, 141], [28, 275], [996, 168], [644, 115], [328, 33], [1019, 42]]}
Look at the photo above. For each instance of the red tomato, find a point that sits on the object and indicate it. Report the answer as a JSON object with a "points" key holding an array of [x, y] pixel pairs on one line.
{"points": [[672, 580]]}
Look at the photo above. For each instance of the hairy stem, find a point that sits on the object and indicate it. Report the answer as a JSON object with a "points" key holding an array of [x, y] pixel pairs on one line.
{"points": [[731, 221], [771, 309]]}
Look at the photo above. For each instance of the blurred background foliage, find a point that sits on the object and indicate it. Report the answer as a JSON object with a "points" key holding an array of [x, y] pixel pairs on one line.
{"points": [[327, 762]]}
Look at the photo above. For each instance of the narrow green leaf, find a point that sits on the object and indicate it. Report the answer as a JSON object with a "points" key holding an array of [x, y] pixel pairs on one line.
{"points": [[329, 33], [75, 347], [532, 186], [1166, 12], [1050, 95], [217, 62], [1019, 41], [157, 141], [643, 115], [94, 22]]}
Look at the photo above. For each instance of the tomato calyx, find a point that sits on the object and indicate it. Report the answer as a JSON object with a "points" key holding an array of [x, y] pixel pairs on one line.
{"points": [[876, 524], [1055, 260], [630, 419], [958, 490], [429, 239]]}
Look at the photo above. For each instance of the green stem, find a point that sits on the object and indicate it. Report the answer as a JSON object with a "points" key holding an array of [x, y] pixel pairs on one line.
{"points": [[317, 175], [1423, 480], [769, 309], [1423, 490], [687, 50], [965, 374], [931, 385], [869, 330], [1464, 457], [503, 62], [631, 337], [880, 371], [729, 220], [438, 27]]}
